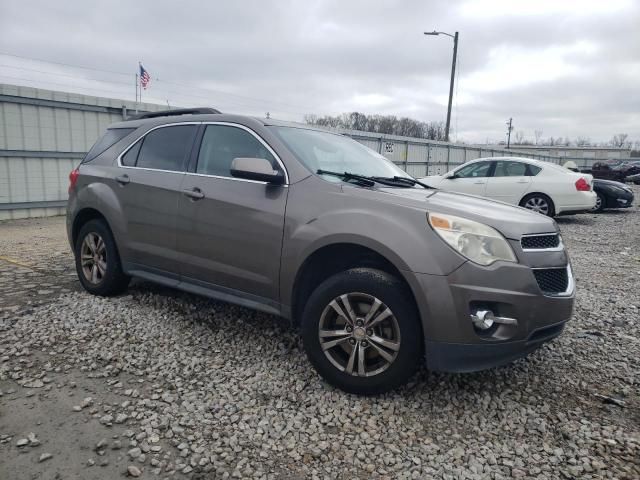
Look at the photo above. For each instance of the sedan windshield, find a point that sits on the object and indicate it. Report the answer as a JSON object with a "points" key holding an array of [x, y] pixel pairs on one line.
{"points": [[324, 151]]}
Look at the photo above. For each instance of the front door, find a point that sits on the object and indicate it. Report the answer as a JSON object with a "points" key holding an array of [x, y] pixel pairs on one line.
{"points": [[509, 182], [471, 179], [230, 230], [148, 177]]}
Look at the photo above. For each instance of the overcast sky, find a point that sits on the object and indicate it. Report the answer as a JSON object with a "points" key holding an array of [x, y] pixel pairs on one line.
{"points": [[569, 68]]}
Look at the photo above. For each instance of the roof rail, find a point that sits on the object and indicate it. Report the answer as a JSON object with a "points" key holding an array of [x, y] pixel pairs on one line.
{"points": [[175, 112]]}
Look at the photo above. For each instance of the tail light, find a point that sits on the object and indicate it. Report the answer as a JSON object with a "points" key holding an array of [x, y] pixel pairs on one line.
{"points": [[582, 185], [73, 179]]}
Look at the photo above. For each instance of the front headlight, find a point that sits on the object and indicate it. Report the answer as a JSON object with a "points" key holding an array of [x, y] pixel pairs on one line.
{"points": [[478, 242]]}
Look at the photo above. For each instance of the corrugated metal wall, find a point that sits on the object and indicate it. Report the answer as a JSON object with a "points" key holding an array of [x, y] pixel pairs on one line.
{"points": [[44, 134]]}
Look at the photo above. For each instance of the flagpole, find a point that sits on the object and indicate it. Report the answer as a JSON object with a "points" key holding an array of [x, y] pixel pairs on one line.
{"points": [[140, 87], [136, 93]]}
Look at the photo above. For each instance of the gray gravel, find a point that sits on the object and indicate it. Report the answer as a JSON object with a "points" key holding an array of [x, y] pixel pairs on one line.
{"points": [[181, 386]]}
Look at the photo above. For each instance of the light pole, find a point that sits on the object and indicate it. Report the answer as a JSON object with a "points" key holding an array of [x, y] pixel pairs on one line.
{"points": [[453, 74]]}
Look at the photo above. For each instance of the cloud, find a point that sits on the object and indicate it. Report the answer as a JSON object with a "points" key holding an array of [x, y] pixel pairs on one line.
{"points": [[567, 67]]}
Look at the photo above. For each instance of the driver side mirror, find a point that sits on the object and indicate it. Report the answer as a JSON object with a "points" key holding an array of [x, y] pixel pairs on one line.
{"points": [[451, 176], [258, 169]]}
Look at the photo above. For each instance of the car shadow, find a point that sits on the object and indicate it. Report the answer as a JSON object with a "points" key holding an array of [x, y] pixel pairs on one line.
{"points": [[582, 219]]}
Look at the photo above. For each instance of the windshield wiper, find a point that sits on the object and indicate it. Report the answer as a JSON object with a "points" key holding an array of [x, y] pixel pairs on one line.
{"points": [[368, 181], [405, 180]]}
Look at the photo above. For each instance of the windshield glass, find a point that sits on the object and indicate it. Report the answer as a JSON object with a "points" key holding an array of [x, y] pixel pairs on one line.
{"points": [[337, 153]]}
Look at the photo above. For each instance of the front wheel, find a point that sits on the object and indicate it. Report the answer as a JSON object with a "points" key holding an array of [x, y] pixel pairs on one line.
{"points": [[538, 202], [599, 206], [361, 331]]}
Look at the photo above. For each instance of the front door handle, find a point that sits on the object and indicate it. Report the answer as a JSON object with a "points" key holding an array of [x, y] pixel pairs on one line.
{"points": [[523, 181], [479, 182], [194, 193], [123, 179]]}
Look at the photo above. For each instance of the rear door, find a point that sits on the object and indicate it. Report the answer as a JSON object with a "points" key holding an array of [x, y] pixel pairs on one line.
{"points": [[509, 182], [471, 179], [231, 230], [149, 178]]}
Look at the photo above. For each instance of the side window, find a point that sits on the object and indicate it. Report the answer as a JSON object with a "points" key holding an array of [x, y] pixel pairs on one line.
{"points": [[480, 169], [130, 158], [510, 169], [110, 138], [532, 170], [166, 148], [222, 143]]}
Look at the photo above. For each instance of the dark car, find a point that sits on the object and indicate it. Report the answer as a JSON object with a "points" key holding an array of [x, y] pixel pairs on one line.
{"points": [[611, 195], [634, 179], [614, 170]]}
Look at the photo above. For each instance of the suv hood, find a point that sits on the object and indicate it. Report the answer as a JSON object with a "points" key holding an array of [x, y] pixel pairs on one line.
{"points": [[512, 222]]}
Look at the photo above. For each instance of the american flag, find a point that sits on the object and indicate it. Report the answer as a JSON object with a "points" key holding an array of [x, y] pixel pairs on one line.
{"points": [[145, 78]]}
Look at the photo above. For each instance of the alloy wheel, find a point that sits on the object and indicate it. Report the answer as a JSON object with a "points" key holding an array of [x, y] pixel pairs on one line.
{"points": [[359, 334], [598, 205], [538, 204], [93, 256]]}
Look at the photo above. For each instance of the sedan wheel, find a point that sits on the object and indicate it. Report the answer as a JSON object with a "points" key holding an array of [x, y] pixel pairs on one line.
{"points": [[94, 258], [599, 206], [538, 204], [359, 334]]}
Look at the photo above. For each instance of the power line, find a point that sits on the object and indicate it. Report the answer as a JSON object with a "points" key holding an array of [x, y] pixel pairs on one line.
{"points": [[302, 108]]}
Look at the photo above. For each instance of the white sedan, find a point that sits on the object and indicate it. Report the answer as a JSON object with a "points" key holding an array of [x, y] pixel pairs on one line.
{"points": [[541, 186]]}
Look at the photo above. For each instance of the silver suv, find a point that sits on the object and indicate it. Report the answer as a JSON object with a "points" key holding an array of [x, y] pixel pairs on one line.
{"points": [[379, 270]]}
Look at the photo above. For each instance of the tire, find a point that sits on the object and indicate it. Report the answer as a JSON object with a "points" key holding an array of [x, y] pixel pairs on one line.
{"points": [[600, 203], [104, 277], [540, 200], [401, 330]]}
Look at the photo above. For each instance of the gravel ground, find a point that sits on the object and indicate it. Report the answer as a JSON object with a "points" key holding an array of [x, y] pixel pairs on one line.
{"points": [[161, 384]]}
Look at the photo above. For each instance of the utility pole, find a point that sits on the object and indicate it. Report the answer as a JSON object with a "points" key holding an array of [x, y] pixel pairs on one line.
{"points": [[509, 128], [453, 76]]}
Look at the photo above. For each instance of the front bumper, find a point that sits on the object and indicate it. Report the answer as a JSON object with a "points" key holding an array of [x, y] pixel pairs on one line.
{"points": [[461, 357], [621, 201], [453, 344]]}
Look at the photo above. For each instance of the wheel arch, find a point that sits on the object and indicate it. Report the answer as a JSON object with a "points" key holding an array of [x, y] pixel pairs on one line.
{"points": [[333, 258], [82, 217]]}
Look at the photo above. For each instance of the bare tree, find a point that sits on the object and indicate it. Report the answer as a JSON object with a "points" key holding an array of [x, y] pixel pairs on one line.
{"points": [[519, 138], [582, 141], [538, 135], [620, 140], [389, 124]]}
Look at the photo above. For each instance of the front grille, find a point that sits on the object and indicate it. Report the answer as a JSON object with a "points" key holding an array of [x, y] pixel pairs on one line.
{"points": [[552, 280], [539, 242]]}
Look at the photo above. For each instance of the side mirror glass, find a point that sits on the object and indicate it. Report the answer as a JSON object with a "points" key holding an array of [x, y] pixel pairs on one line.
{"points": [[258, 169]]}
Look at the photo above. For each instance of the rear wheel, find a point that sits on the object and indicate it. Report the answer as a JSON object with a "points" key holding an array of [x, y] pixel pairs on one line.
{"points": [[361, 331], [539, 202], [97, 260]]}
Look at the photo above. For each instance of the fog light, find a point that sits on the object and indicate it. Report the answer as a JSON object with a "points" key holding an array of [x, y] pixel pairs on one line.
{"points": [[485, 319]]}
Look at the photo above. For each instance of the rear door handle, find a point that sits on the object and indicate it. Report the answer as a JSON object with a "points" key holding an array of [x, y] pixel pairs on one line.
{"points": [[123, 179], [479, 182], [194, 193], [523, 181]]}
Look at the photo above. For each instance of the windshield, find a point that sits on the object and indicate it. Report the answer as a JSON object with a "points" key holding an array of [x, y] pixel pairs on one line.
{"points": [[337, 153]]}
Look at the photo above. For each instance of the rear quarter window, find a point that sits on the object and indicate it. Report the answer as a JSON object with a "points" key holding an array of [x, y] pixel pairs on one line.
{"points": [[110, 138], [532, 170]]}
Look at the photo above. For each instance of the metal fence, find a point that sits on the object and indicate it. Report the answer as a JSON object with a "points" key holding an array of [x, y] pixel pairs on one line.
{"points": [[44, 134], [428, 157]]}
